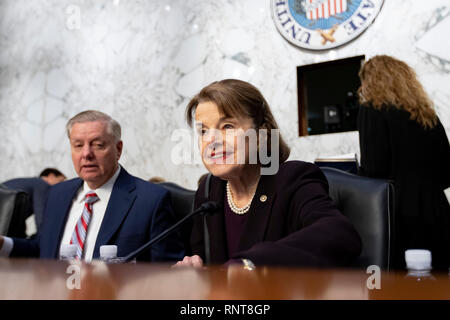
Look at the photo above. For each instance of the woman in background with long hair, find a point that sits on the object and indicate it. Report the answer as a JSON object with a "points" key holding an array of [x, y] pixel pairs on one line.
{"points": [[402, 139]]}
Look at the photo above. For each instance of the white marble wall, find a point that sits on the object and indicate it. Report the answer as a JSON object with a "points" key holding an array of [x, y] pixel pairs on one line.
{"points": [[141, 61]]}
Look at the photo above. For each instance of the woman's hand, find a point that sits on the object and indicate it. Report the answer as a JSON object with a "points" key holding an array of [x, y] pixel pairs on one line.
{"points": [[193, 261]]}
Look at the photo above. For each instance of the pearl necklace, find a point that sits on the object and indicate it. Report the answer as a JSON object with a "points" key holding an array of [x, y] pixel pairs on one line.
{"points": [[235, 208]]}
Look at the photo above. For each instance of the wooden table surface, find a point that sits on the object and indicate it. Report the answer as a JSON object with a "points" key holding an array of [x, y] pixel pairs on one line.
{"points": [[48, 279]]}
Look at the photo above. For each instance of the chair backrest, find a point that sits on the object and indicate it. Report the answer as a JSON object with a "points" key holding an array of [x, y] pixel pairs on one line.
{"points": [[369, 204], [348, 164], [182, 204], [14, 209]]}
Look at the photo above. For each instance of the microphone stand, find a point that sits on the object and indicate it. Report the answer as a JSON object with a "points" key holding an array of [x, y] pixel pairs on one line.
{"points": [[205, 208]]}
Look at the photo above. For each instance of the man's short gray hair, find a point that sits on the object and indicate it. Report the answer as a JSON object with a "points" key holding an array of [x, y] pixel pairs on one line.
{"points": [[113, 127]]}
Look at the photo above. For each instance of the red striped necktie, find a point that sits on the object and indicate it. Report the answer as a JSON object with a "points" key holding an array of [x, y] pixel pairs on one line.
{"points": [[79, 234]]}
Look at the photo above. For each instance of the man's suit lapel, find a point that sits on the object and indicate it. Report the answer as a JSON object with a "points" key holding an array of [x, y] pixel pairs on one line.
{"points": [[58, 221], [120, 202], [259, 213]]}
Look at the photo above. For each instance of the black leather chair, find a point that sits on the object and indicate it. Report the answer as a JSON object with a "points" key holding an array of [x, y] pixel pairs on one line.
{"points": [[15, 207], [182, 203], [369, 204]]}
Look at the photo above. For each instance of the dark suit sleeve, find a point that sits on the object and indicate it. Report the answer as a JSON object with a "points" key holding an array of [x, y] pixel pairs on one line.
{"points": [[319, 235], [374, 143], [170, 248], [28, 248]]}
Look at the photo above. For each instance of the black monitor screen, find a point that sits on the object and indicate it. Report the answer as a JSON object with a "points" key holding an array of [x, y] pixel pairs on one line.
{"points": [[327, 96]]}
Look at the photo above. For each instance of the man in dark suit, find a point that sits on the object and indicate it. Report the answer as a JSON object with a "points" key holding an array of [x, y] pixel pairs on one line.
{"points": [[37, 189], [104, 206]]}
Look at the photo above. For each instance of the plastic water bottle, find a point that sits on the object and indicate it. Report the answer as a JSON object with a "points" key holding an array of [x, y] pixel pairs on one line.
{"points": [[108, 254], [68, 252], [418, 263]]}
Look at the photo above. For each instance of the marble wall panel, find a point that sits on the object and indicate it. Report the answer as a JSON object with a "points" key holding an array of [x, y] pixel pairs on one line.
{"points": [[141, 62]]}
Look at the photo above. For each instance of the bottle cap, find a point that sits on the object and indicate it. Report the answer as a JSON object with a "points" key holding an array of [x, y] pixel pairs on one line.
{"points": [[418, 259], [68, 250], [109, 251]]}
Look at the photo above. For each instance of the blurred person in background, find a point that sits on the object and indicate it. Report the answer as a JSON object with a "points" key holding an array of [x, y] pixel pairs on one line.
{"points": [[402, 139], [37, 189]]}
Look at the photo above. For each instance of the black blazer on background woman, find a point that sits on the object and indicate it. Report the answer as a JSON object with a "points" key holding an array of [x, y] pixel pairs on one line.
{"points": [[418, 161]]}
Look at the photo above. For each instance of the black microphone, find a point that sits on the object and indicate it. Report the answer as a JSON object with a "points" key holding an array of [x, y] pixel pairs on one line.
{"points": [[205, 209], [209, 207]]}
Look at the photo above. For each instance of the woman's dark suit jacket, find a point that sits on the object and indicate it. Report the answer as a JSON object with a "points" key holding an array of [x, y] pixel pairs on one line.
{"points": [[297, 225], [418, 161]]}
